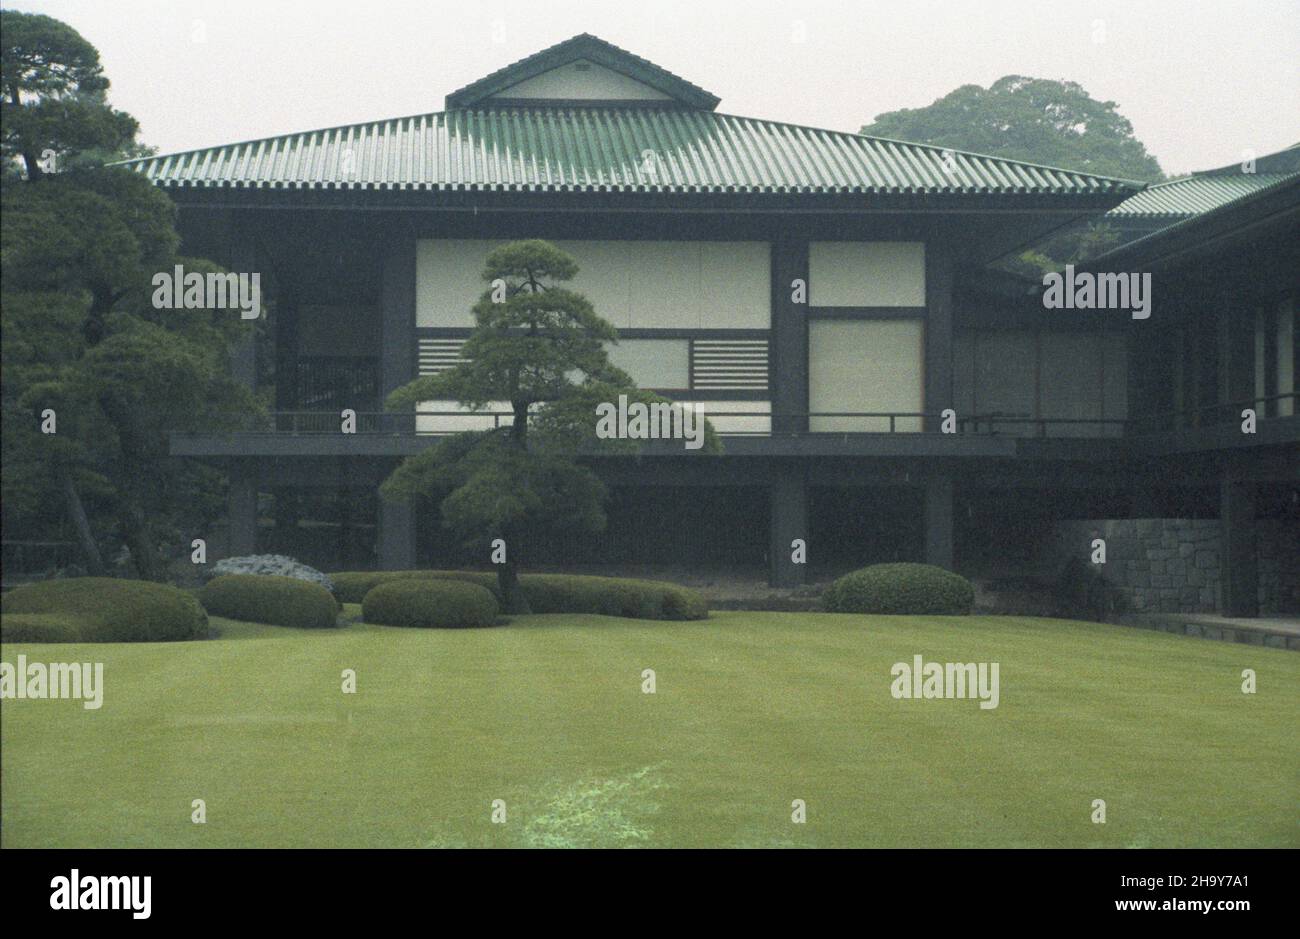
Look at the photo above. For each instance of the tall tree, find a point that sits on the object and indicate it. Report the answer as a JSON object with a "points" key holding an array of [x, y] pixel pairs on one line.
{"points": [[52, 104], [82, 339], [541, 347], [83, 343], [1054, 123]]}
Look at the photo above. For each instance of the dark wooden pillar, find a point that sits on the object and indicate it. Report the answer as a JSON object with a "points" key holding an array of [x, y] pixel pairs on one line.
{"points": [[346, 529], [788, 520], [396, 535], [789, 352], [242, 512], [287, 394], [1239, 578], [398, 357], [938, 521], [938, 330], [1237, 358], [243, 260], [398, 351], [1270, 317]]}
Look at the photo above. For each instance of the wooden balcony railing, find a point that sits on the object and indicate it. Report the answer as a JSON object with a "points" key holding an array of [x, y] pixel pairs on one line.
{"points": [[778, 423]]}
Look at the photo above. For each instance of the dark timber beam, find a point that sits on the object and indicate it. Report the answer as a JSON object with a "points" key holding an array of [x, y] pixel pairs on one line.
{"points": [[1239, 575], [938, 522], [938, 330], [789, 352], [788, 521]]}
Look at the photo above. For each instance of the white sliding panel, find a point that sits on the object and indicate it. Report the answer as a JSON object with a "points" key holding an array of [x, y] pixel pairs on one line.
{"points": [[866, 273], [865, 365]]}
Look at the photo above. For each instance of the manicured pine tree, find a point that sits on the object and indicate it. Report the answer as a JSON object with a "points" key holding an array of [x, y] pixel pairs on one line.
{"points": [[542, 348]]}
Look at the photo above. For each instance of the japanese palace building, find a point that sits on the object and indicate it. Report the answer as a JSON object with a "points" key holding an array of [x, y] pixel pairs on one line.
{"points": [[693, 230]]}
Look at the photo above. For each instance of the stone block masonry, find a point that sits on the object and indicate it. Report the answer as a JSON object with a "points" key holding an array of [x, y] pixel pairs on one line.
{"points": [[1174, 565]]}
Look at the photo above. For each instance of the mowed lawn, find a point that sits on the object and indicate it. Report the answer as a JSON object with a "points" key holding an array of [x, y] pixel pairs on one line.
{"points": [[751, 712]]}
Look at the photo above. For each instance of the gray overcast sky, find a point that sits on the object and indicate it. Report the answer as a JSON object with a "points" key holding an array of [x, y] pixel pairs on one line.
{"points": [[1200, 81]]}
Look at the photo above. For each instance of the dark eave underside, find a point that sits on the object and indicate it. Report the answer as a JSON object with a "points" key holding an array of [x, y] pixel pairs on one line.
{"points": [[1271, 212]]}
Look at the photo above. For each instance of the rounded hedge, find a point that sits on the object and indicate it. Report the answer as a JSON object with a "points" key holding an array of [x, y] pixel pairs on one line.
{"points": [[612, 596], [553, 593], [101, 609], [914, 589], [352, 586], [40, 627], [429, 603], [265, 598], [681, 603]]}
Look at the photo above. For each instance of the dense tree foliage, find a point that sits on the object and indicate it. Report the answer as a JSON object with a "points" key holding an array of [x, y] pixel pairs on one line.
{"points": [[94, 377], [1052, 123]]}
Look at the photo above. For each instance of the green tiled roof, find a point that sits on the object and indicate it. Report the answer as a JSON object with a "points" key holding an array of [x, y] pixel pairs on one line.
{"points": [[607, 149], [1192, 195], [1279, 196]]}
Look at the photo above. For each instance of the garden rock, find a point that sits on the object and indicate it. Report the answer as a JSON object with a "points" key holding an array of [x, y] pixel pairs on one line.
{"points": [[275, 565]]}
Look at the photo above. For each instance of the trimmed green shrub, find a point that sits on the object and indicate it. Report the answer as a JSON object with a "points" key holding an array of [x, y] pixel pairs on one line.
{"points": [[915, 589], [429, 602], [562, 593], [612, 596], [265, 598], [40, 627], [683, 603], [554, 593], [352, 586], [106, 609]]}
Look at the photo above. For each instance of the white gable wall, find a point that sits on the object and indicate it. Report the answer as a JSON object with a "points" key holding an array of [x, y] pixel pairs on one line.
{"points": [[572, 82]]}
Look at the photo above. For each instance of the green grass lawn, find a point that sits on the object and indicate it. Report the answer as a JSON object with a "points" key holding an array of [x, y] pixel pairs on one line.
{"points": [[752, 711]]}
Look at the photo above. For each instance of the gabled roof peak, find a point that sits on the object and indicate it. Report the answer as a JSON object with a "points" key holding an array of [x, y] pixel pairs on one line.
{"points": [[584, 69]]}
